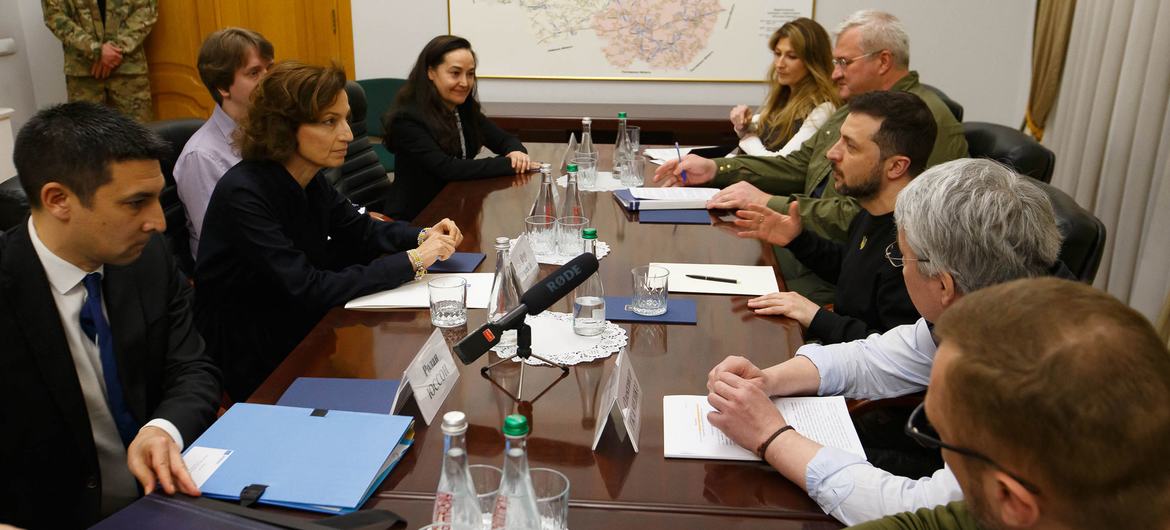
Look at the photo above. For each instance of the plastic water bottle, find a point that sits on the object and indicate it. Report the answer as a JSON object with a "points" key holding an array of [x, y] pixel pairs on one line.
{"points": [[516, 502], [572, 205], [546, 198], [455, 500], [504, 294], [589, 297], [586, 147]]}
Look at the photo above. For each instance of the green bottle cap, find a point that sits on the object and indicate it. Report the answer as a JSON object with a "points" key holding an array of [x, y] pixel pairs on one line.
{"points": [[621, 115], [515, 425], [589, 233], [572, 168]]}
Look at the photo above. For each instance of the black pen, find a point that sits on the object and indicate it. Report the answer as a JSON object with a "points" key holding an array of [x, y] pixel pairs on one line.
{"points": [[711, 278]]}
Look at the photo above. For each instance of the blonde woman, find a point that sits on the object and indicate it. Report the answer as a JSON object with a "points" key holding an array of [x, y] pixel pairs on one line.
{"points": [[801, 94]]}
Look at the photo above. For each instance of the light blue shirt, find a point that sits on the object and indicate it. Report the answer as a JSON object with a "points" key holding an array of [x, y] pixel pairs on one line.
{"points": [[206, 157], [892, 364]]}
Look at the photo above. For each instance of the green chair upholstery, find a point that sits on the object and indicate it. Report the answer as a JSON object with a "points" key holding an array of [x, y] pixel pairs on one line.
{"points": [[380, 93]]}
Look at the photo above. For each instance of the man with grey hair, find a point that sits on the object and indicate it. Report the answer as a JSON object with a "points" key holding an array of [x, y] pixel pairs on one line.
{"points": [[962, 226], [872, 52]]}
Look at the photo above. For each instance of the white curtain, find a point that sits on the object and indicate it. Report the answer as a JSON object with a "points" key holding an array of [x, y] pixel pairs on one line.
{"points": [[1111, 135]]}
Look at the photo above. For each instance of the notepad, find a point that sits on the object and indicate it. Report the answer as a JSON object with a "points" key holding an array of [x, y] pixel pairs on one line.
{"points": [[414, 294], [678, 311], [637, 199], [324, 461], [677, 217], [752, 280], [686, 433]]}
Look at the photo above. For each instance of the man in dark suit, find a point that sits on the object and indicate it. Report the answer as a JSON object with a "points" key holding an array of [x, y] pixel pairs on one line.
{"points": [[103, 378]]}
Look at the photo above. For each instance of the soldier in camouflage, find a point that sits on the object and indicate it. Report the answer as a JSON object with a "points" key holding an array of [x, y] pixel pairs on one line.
{"points": [[104, 57]]}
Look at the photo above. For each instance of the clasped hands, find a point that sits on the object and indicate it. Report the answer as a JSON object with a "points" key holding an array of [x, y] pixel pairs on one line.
{"points": [[440, 242], [739, 391], [110, 60]]}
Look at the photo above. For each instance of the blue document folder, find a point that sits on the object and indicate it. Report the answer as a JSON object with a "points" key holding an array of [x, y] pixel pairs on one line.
{"points": [[676, 217], [459, 262], [678, 311], [375, 396], [324, 461]]}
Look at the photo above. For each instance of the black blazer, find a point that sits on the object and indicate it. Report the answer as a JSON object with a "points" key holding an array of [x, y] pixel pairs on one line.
{"points": [[51, 475], [274, 258], [422, 168]]}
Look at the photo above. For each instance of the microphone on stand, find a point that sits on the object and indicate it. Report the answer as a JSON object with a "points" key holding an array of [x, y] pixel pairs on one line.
{"points": [[534, 301]]}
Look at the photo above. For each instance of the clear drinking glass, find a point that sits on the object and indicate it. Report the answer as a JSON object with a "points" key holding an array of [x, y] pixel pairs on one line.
{"points": [[552, 498], [632, 172], [634, 134], [486, 481], [650, 285], [541, 230], [586, 172], [448, 301], [569, 235]]}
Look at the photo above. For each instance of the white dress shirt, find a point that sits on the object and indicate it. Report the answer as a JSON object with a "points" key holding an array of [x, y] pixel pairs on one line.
{"points": [[891, 364], [68, 289], [750, 144]]}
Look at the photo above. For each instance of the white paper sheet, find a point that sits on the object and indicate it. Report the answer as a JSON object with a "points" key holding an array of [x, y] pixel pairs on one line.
{"points": [[752, 280], [415, 295], [663, 154], [674, 194], [686, 432]]}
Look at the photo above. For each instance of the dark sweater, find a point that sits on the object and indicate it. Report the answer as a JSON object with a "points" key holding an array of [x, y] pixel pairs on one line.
{"points": [[274, 258], [422, 168], [871, 294]]}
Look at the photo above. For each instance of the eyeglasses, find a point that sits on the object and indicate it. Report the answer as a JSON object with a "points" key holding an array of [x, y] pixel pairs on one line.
{"points": [[918, 427], [895, 256], [841, 62]]}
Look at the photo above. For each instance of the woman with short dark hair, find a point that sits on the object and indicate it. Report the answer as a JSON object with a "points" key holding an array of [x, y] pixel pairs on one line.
{"points": [[436, 129], [280, 245]]}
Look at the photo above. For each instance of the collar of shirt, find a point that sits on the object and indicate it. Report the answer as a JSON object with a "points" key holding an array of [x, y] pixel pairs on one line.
{"points": [[223, 122], [63, 276]]}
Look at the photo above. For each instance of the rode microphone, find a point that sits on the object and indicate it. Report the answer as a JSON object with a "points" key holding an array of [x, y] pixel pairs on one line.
{"points": [[534, 301]]}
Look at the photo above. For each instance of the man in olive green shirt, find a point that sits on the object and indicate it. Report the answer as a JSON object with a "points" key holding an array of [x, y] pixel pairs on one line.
{"points": [[1048, 398], [872, 52], [104, 57]]}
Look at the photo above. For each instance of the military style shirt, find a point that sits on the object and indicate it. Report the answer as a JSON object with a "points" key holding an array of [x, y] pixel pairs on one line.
{"points": [[82, 31]]}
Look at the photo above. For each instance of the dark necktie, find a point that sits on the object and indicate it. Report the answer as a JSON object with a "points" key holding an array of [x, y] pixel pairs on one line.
{"points": [[93, 323]]}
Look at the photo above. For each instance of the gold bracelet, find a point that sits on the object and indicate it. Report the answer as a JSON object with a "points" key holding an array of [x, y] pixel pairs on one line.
{"points": [[416, 262], [422, 235]]}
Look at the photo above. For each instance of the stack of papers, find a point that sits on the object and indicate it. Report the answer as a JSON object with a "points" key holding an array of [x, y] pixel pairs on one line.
{"points": [[635, 199], [415, 295], [753, 280], [662, 154], [686, 433]]}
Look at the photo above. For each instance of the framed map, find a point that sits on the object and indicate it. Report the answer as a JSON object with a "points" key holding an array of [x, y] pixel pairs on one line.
{"points": [[654, 40]]}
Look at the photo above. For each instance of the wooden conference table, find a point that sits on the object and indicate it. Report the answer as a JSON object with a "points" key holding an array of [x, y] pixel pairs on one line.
{"points": [[612, 486]]}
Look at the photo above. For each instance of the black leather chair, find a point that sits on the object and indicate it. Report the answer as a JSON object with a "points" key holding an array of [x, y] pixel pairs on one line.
{"points": [[361, 178], [13, 203], [177, 132], [1010, 147], [1083, 234], [955, 107]]}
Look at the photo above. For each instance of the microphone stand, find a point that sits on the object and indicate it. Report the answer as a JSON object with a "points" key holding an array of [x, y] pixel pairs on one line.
{"points": [[523, 351]]}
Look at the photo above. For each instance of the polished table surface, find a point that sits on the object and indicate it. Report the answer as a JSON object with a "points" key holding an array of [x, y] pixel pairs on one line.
{"points": [[668, 359]]}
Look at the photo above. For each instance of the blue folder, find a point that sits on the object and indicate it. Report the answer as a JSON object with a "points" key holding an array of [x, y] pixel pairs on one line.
{"points": [[324, 461], [677, 217], [459, 262], [375, 396], [678, 311]]}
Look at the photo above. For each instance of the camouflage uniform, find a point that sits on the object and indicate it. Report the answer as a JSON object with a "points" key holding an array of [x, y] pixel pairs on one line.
{"points": [[79, 26]]}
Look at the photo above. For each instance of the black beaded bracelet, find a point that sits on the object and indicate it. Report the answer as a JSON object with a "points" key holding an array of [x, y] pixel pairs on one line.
{"points": [[764, 446]]}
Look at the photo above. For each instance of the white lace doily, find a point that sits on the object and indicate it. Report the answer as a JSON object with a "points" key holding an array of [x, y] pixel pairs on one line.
{"points": [[601, 249], [553, 339], [605, 182]]}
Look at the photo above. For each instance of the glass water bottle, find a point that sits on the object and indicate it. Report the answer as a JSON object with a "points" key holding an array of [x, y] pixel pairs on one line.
{"points": [[589, 297]]}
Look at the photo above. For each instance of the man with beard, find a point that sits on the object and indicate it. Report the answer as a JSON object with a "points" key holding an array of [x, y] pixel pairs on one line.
{"points": [[884, 143], [1048, 399]]}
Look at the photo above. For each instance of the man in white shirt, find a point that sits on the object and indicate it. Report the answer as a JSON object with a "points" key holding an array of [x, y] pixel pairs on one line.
{"points": [[962, 226], [231, 63], [102, 374]]}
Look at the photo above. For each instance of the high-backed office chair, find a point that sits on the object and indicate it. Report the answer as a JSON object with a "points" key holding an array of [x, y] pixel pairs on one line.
{"points": [[361, 178], [955, 107], [177, 132], [1083, 235], [380, 93], [1010, 147], [13, 203]]}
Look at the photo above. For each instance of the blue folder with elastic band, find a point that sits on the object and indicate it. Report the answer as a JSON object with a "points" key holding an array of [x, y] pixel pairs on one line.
{"points": [[320, 460]]}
